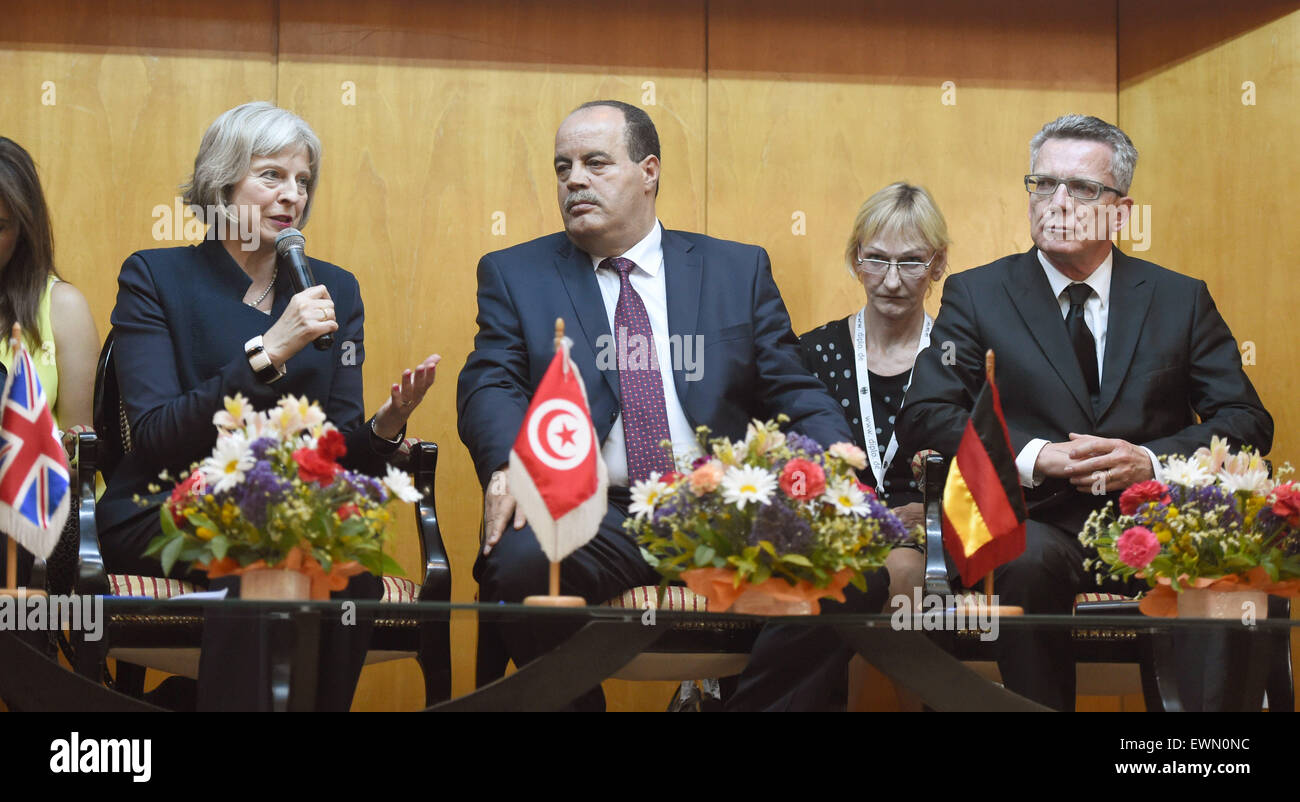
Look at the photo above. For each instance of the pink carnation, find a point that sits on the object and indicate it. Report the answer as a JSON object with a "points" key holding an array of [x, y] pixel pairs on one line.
{"points": [[1137, 547], [803, 480], [706, 477]]}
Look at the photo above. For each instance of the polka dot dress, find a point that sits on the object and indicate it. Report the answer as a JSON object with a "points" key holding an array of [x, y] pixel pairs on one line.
{"points": [[828, 355]]}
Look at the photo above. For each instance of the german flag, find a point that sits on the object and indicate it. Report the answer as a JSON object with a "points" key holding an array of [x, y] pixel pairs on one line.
{"points": [[983, 505]]}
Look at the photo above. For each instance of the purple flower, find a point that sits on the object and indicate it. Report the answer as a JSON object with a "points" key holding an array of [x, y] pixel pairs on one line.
{"points": [[260, 488], [783, 528], [1211, 496], [367, 486], [891, 529], [262, 445], [799, 442]]}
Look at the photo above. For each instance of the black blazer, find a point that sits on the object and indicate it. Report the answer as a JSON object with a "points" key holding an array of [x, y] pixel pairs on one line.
{"points": [[749, 365], [180, 325], [1170, 362]]}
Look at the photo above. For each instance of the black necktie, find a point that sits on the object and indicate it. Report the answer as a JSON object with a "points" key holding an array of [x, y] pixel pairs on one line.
{"points": [[1085, 346]]}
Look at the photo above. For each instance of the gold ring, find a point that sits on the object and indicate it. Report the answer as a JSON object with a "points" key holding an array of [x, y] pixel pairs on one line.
{"points": [[324, 315]]}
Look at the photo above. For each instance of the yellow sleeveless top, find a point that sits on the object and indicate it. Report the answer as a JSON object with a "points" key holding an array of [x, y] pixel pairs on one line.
{"points": [[44, 357]]}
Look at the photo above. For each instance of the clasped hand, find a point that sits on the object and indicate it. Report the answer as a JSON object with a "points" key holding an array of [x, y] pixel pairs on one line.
{"points": [[1086, 459]]}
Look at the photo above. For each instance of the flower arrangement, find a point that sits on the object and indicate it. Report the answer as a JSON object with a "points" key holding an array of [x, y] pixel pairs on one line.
{"points": [[1217, 515], [273, 494], [771, 507]]}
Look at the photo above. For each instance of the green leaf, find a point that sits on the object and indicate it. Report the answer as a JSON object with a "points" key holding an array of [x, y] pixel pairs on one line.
{"points": [[797, 559], [219, 545], [156, 545], [168, 523], [170, 552], [761, 574], [198, 519], [704, 555]]}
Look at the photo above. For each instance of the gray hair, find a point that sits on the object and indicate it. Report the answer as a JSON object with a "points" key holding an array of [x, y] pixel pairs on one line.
{"points": [[1123, 156], [231, 142]]}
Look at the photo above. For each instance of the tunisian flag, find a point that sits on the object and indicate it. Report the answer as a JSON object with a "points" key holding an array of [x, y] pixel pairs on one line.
{"points": [[983, 505], [556, 472]]}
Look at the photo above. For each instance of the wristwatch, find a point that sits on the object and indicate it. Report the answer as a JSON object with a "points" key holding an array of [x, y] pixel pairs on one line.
{"points": [[261, 363]]}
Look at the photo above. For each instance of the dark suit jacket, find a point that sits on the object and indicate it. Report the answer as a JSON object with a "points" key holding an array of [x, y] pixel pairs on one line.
{"points": [[1170, 361], [180, 326], [723, 291]]}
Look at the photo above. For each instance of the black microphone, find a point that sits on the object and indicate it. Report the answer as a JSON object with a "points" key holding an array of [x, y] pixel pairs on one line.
{"points": [[291, 256]]}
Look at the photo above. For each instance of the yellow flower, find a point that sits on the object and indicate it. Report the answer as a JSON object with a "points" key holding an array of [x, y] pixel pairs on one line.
{"points": [[204, 533], [1163, 533]]}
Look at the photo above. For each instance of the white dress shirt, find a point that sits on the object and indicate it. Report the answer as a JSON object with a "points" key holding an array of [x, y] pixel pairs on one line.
{"points": [[1096, 314], [649, 281]]}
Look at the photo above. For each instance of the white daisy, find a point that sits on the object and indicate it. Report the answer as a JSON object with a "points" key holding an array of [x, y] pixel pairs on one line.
{"points": [[1254, 480], [230, 460], [1187, 472], [740, 486], [400, 485], [846, 498], [646, 495]]}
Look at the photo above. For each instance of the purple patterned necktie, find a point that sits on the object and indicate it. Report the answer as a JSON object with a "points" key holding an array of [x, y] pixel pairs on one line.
{"points": [[645, 415]]}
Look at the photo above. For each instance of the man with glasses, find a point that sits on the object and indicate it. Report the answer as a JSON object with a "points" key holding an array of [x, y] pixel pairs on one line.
{"points": [[1104, 361]]}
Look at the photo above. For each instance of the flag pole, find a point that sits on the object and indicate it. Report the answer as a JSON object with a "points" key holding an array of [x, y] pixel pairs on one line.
{"points": [[988, 374], [553, 597]]}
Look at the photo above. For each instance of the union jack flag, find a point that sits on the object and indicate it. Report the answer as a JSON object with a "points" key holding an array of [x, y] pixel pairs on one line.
{"points": [[34, 476]]}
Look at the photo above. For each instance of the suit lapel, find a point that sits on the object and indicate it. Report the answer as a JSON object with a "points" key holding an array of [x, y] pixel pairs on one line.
{"points": [[1041, 311], [574, 268], [1130, 295], [682, 281]]}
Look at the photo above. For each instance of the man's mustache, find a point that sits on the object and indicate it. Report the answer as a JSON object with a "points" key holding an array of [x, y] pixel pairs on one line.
{"points": [[582, 196]]}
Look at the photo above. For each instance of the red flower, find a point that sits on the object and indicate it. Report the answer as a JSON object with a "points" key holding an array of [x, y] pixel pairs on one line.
{"points": [[1286, 503], [312, 467], [803, 480], [867, 490], [1137, 547], [346, 511], [670, 477], [331, 445], [1142, 492], [192, 486]]}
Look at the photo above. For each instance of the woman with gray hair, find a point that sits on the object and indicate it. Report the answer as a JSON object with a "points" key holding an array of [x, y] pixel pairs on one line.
{"points": [[194, 325], [897, 250]]}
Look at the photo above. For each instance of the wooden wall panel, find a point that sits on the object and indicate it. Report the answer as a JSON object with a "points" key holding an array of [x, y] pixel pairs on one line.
{"points": [[446, 155], [134, 86], [814, 108], [1218, 171]]}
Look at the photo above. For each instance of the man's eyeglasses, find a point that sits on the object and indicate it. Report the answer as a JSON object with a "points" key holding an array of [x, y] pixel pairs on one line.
{"points": [[880, 267], [1079, 188]]}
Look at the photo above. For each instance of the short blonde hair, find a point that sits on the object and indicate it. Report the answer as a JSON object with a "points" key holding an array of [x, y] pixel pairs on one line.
{"points": [[900, 209], [231, 142]]}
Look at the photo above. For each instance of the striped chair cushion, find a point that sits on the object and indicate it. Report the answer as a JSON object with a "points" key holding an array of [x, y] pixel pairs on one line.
{"points": [[675, 598], [153, 587], [400, 590], [1100, 597]]}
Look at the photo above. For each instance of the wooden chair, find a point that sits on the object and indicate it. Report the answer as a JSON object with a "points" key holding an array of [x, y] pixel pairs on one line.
{"points": [[170, 643], [1110, 660]]}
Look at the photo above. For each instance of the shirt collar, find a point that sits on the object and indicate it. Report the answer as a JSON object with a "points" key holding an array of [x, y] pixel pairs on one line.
{"points": [[648, 253], [1099, 280]]}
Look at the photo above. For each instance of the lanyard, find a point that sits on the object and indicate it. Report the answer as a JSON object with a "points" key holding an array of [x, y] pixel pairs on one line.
{"points": [[878, 465]]}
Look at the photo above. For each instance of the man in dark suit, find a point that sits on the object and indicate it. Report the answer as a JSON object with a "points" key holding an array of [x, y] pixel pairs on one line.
{"points": [[1104, 361], [721, 351]]}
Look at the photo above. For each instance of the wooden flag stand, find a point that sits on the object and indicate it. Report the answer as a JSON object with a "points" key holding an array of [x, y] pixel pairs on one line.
{"points": [[11, 573], [981, 610], [553, 597]]}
